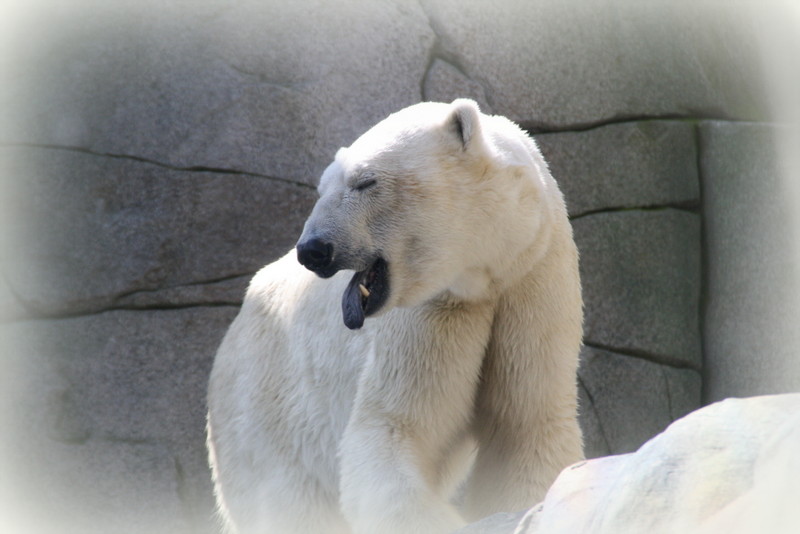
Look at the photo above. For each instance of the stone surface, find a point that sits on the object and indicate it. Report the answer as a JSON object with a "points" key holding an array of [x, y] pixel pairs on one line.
{"points": [[128, 233], [730, 467], [444, 82], [627, 165], [641, 278], [9, 304], [228, 291], [553, 64], [274, 88], [109, 417], [626, 400], [504, 523], [137, 492], [221, 84], [770, 504], [751, 333]]}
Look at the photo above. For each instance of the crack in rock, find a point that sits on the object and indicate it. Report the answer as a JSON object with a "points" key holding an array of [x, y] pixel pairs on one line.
{"points": [[668, 391], [263, 79], [691, 206], [139, 159], [24, 316], [125, 299], [540, 128], [661, 359], [446, 77], [593, 405]]}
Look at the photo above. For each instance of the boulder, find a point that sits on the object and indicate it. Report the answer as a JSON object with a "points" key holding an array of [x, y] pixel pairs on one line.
{"points": [[730, 467]]}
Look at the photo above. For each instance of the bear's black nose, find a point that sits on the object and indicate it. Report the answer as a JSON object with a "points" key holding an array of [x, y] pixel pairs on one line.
{"points": [[315, 254]]}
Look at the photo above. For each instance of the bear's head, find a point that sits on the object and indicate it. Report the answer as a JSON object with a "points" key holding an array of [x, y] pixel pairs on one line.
{"points": [[436, 197]]}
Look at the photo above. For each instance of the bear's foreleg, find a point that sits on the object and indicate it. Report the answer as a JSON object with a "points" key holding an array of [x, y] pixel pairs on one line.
{"points": [[411, 416], [526, 411]]}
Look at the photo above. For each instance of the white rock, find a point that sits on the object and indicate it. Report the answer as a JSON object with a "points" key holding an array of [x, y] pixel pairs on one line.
{"points": [[731, 467]]}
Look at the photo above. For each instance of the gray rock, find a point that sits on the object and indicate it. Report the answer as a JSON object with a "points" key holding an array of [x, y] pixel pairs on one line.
{"points": [[273, 88], [641, 283], [148, 369], [224, 85], [10, 308], [626, 401], [730, 467], [556, 64], [444, 82], [105, 486], [92, 232], [98, 487], [109, 416], [627, 165], [751, 329], [228, 291], [194, 488], [595, 443]]}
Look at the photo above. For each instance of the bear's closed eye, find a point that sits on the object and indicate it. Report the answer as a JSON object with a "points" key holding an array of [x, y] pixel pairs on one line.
{"points": [[365, 184]]}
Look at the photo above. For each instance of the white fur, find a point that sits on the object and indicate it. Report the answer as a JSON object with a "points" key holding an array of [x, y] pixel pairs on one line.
{"points": [[466, 375]]}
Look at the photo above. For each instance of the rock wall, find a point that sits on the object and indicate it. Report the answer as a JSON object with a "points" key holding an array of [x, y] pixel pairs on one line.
{"points": [[155, 156]]}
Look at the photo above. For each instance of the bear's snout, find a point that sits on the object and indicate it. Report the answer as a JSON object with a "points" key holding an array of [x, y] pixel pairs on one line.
{"points": [[316, 255]]}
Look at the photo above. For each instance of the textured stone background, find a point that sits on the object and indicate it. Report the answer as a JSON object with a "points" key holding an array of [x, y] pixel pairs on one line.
{"points": [[154, 157]]}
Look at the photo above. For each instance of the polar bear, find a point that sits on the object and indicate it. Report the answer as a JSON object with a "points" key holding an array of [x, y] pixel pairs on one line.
{"points": [[445, 389]]}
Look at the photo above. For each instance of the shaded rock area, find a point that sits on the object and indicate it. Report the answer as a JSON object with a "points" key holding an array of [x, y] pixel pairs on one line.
{"points": [[729, 467], [631, 164], [110, 412], [641, 272], [268, 88], [129, 233], [626, 400], [625, 59], [751, 328], [154, 156]]}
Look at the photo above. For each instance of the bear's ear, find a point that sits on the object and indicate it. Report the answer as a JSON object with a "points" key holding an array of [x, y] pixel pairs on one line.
{"points": [[464, 120]]}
